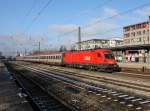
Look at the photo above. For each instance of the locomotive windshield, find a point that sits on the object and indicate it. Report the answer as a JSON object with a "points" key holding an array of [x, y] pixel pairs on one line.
{"points": [[108, 55]]}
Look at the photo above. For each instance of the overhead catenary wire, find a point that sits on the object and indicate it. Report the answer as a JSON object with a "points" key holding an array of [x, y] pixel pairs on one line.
{"points": [[100, 5], [39, 14], [31, 8], [111, 17], [116, 15]]}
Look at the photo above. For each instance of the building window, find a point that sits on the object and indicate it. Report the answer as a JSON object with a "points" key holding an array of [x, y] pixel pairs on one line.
{"points": [[127, 35], [139, 33], [127, 29], [133, 33], [138, 26], [133, 27]]}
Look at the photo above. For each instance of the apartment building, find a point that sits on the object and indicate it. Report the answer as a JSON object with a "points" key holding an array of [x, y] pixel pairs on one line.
{"points": [[137, 34]]}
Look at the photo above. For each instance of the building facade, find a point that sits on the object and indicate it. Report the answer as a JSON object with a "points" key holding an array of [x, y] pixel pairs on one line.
{"points": [[137, 34], [136, 39], [98, 43]]}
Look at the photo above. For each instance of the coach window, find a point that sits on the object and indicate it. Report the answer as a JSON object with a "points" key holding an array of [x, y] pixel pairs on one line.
{"points": [[98, 55]]}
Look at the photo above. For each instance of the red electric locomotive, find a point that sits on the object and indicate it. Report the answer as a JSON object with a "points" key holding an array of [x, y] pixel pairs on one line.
{"points": [[97, 59]]}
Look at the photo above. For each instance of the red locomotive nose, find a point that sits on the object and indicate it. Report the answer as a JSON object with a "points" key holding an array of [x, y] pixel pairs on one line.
{"points": [[109, 58], [110, 61]]}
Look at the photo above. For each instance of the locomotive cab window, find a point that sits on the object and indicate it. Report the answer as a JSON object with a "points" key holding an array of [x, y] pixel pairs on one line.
{"points": [[108, 55]]}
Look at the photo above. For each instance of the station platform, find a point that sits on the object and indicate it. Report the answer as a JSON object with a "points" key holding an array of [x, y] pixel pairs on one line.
{"points": [[10, 95], [134, 65]]}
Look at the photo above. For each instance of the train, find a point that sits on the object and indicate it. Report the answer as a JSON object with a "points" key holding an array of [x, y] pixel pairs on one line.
{"points": [[93, 59]]}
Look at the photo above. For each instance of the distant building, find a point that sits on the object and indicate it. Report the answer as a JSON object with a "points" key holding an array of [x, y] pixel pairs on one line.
{"points": [[115, 42], [137, 34], [98, 43]]}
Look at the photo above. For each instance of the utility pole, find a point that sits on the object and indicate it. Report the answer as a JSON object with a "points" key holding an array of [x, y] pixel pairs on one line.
{"points": [[25, 51], [79, 38], [39, 46]]}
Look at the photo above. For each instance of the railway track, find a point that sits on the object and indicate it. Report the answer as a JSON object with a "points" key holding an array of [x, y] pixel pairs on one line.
{"points": [[135, 102], [128, 74], [38, 98], [138, 75], [134, 74], [100, 79]]}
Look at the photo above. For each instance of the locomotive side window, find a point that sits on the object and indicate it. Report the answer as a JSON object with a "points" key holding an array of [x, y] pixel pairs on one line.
{"points": [[98, 55]]}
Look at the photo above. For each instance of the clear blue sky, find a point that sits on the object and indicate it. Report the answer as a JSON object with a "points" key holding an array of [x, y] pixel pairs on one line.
{"points": [[62, 16]]}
